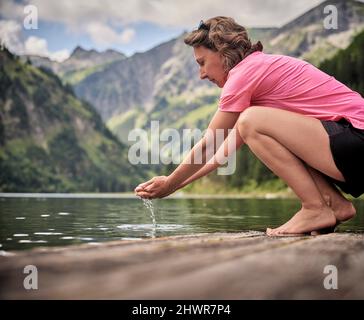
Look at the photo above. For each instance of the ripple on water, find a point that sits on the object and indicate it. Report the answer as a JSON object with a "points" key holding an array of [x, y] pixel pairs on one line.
{"points": [[163, 227], [32, 241], [63, 213], [24, 241], [48, 233]]}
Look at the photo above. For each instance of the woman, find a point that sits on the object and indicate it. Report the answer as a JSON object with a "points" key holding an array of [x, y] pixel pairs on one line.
{"points": [[304, 125]]}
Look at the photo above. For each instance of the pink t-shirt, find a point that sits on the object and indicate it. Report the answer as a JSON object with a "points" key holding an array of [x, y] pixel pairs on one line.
{"points": [[291, 84]]}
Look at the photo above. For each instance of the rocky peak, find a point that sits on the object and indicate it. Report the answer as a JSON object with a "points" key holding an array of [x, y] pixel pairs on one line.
{"points": [[349, 12]]}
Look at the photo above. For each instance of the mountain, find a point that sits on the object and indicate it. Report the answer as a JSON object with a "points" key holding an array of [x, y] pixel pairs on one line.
{"points": [[347, 65], [50, 141], [140, 81], [147, 82], [313, 36], [79, 64]]}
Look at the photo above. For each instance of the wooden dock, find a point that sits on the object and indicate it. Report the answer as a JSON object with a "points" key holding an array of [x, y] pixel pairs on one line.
{"points": [[246, 265]]}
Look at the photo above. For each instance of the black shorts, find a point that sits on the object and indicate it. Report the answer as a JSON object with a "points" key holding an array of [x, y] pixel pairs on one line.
{"points": [[347, 147]]}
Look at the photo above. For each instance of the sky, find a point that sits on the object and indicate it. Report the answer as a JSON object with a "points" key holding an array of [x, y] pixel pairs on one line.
{"points": [[54, 28]]}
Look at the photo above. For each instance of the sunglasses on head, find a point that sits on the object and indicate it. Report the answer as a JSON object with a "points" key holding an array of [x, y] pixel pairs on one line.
{"points": [[203, 26]]}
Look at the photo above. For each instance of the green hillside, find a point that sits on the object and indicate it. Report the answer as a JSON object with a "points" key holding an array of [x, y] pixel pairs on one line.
{"points": [[52, 142], [347, 65]]}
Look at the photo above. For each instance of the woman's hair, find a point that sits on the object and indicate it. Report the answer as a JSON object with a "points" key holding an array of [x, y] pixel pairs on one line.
{"points": [[223, 35]]}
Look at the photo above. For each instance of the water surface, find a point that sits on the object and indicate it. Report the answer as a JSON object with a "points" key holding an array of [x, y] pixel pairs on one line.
{"points": [[32, 222]]}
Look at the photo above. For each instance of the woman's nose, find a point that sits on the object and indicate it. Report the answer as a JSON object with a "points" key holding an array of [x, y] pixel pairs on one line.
{"points": [[203, 74]]}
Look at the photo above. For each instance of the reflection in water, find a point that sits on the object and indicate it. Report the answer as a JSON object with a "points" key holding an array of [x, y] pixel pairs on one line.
{"points": [[64, 221]]}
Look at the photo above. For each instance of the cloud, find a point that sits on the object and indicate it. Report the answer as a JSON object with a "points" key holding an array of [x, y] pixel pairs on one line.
{"points": [[183, 14], [127, 35], [111, 22], [102, 34], [39, 47], [11, 10], [11, 36], [60, 55], [36, 46]]}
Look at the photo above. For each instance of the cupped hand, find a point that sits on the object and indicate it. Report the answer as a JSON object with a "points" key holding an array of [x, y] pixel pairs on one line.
{"points": [[157, 187]]}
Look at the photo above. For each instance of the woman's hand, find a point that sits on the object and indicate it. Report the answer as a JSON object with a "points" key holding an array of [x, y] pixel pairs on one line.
{"points": [[157, 187]]}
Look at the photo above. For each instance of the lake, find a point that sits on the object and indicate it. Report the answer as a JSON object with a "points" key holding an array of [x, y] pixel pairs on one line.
{"points": [[60, 220]]}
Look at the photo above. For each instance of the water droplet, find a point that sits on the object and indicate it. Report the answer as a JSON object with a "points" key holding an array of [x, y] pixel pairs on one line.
{"points": [[149, 205]]}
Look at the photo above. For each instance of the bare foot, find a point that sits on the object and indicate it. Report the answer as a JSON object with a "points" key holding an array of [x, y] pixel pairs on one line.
{"points": [[343, 210], [305, 221]]}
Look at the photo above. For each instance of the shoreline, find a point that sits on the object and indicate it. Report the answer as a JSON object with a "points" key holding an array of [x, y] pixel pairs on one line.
{"points": [[130, 195], [178, 195]]}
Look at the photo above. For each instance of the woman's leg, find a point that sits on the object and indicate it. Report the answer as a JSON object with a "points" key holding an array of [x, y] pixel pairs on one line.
{"points": [[286, 142], [343, 208]]}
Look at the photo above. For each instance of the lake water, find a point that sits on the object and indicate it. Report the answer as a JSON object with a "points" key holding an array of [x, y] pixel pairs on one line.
{"points": [[64, 220]]}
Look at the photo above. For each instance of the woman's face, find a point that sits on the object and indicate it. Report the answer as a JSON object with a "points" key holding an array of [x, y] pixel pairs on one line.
{"points": [[211, 65]]}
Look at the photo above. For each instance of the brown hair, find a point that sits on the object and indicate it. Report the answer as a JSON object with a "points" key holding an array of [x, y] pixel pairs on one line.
{"points": [[223, 35]]}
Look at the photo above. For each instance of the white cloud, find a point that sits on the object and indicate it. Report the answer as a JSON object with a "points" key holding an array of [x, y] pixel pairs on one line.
{"points": [[39, 46], [127, 35], [10, 34], [36, 46], [109, 22], [11, 9], [60, 55], [102, 34], [185, 14]]}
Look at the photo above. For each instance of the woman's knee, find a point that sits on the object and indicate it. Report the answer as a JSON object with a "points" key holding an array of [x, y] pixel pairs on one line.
{"points": [[248, 122]]}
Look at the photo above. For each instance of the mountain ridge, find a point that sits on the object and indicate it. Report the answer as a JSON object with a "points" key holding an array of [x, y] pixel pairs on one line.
{"points": [[53, 142]]}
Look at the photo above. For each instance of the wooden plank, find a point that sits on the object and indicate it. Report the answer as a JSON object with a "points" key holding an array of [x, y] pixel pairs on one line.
{"points": [[206, 266]]}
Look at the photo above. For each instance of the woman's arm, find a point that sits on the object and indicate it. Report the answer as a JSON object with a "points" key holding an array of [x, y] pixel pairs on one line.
{"points": [[194, 161], [232, 143], [205, 147]]}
